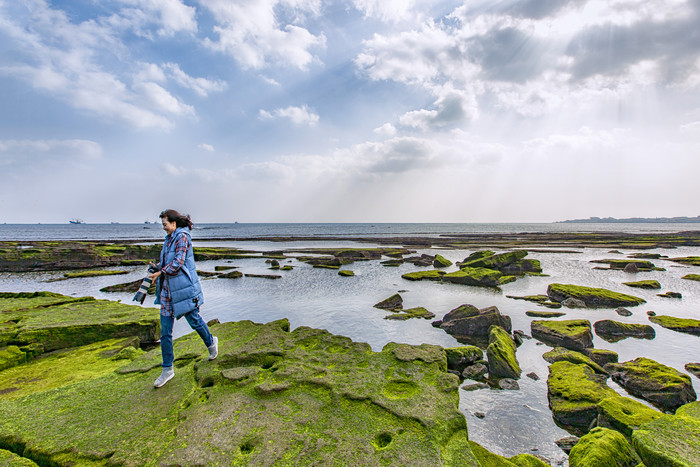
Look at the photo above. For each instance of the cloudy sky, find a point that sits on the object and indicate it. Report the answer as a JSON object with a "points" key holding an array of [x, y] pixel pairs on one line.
{"points": [[349, 110]]}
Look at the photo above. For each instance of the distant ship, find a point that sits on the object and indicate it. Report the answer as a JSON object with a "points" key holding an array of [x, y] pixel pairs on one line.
{"points": [[76, 221]]}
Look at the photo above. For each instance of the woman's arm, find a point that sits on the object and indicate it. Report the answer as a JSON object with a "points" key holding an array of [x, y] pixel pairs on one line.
{"points": [[181, 246]]}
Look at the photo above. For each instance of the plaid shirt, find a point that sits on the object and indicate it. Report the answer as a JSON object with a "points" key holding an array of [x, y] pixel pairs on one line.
{"points": [[182, 244]]}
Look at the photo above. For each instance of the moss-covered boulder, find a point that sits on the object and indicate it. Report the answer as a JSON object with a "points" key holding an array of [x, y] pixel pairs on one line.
{"points": [[10, 356], [624, 414], [693, 368], [56, 321], [395, 302], [346, 273], [431, 275], [487, 458], [686, 325], [493, 261], [467, 322], [10, 459], [601, 356], [624, 263], [574, 391], [131, 287], [692, 277], [304, 397], [670, 441], [650, 284], [591, 296], [458, 358], [441, 262], [480, 277], [500, 354], [560, 354], [603, 447], [613, 331], [687, 260], [545, 314], [574, 334], [417, 312], [663, 386]]}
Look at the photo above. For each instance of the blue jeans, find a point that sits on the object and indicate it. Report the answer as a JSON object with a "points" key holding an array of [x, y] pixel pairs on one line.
{"points": [[166, 334]]}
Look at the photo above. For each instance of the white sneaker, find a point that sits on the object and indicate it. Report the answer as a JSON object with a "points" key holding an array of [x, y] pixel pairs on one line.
{"points": [[164, 377], [214, 349]]}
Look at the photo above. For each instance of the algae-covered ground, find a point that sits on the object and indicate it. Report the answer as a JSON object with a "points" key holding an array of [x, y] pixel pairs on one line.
{"points": [[272, 397]]}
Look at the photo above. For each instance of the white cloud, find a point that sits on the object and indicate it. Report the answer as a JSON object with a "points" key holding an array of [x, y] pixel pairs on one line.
{"points": [[267, 32], [297, 115], [171, 16], [201, 86], [387, 130], [206, 147]]}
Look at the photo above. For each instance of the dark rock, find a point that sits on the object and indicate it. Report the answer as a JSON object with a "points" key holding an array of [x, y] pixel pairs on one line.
{"points": [[663, 386], [231, 275], [509, 384], [436, 324], [613, 331], [693, 368], [631, 268], [459, 358], [567, 443], [670, 295], [264, 276], [623, 312], [520, 333], [476, 371], [479, 414], [651, 313], [422, 260], [475, 386], [395, 302], [533, 376], [573, 334], [573, 303], [467, 321], [601, 356]]}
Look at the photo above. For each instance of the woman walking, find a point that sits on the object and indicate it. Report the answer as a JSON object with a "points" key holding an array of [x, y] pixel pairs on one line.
{"points": [[179, 292]]}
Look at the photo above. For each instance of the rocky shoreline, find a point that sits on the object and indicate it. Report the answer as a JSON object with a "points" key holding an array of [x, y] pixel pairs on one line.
{"points": [[286, 372]]}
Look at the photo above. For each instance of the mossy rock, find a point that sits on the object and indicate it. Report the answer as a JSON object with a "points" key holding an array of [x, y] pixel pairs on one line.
{"points": [[417, 312], [623, 263], [480, 277], [574, 391], [649, 284], [670, 441], [686, 325], [591, 296], [545, 314], [306, 397], [496, 261], [624, 414], [458, 358], [601, 356], [574, 334], [560, 354], [487, 458], [231, 275], [10, 356], [692, 277], [432, 275], [395, 302], [693, 368], [10, 459], [441, 262], [346, 273], [224, 268], [56, 321], [500, 354], [614, 331], [466, 322], [94, 273], [603, 447], [663, 386], [688, 260], [130, 287]]}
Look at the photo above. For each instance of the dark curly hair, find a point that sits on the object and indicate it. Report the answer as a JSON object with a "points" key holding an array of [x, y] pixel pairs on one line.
{"points": [[179, 219]]}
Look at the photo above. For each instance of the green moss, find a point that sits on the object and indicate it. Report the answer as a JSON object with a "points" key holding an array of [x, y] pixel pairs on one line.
{"points": [[458, 357], [602, 447], [441, 262], [500, 354], [689, 260], [417, 312], [94, 273], [231, 275], [11, 356], [692, 277], [593, 297], [574, 334], [574, 391], [545, 314], [496, 261], [309, 398], [11, 459], [649, 284], [672, 441], [489, 459], [624, 414], [622, 263], [431, 275], [560, 354], [346, 273], [474, 276], [686, 325]]}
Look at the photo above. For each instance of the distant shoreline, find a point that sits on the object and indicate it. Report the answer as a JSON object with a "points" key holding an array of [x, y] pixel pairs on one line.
{"points": [[634, 220]]}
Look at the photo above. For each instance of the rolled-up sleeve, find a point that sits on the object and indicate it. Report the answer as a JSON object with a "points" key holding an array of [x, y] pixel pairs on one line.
{"points": [[182, 243]]}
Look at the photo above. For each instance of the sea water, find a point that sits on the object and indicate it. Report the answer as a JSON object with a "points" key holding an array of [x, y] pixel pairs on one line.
{"points": [[514, 421]]}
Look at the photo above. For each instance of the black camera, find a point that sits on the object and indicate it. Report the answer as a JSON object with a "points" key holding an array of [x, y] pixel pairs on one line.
{"points": [[145, 284]]}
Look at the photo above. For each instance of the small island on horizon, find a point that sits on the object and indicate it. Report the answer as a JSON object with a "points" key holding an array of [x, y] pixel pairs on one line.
{"points": [[630, 220]]}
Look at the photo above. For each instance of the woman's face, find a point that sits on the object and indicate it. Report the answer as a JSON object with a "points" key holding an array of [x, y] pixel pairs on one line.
{"points": [[168, 226]]}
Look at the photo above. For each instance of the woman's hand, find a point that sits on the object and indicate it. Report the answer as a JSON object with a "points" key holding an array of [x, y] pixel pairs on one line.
{"points": [[154, 276]]}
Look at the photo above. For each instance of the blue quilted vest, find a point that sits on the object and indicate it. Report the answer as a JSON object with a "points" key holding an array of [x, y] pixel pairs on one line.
{"points": [[185, 289]]}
